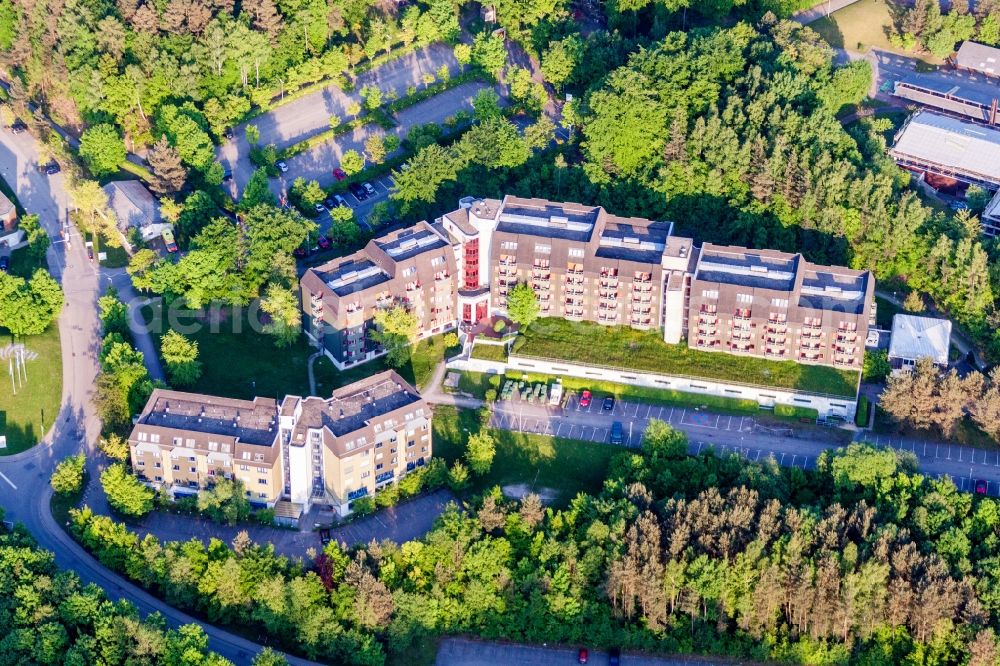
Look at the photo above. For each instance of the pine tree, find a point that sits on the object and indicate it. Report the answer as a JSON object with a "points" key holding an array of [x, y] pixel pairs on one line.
{"points": [[165, 162]]}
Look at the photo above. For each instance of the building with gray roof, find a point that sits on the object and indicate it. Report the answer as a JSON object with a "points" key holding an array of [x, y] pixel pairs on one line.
{"points": [[916, 337], [976, 57], [964, 151]]}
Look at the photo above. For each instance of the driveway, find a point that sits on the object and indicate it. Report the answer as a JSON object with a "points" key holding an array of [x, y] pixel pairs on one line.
{"points": [[299, 119], [403, 522]]}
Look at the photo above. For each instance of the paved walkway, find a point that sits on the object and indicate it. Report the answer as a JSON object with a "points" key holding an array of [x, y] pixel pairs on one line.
{"points": [[404, 522]]}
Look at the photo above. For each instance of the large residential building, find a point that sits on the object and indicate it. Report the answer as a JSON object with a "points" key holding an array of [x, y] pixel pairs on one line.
{"points": [[414, 267], [587, 264], [362, 438], [779, 306], [327, 451]]}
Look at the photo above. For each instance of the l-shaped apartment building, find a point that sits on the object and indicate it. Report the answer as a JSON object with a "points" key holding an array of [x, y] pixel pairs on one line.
{"points": [[311, 450], [587, 264]]}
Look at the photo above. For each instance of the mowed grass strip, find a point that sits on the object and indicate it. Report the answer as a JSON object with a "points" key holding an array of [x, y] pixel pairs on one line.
{"points": [[565, 467], [645, 351], [26, 416]]}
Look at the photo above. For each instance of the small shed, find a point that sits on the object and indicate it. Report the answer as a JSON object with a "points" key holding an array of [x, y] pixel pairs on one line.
{"points": [[918, 337], [287, 513]]}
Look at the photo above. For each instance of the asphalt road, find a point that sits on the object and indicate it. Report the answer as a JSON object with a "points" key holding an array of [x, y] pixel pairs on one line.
{"points": [[792, 445], [464, 652], [24, 478], [297, 120]]}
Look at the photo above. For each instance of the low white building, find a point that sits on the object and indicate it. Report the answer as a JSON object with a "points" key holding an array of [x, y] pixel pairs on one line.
{"points": [[918, 337]]}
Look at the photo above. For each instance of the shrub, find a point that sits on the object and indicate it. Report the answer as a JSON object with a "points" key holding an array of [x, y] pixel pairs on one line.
{"points": [[794, 412], [264, 516], [450, 340], [125, 493], [499, 326], [387, 496], [458, 476], [363, 506], [67, 479], [864, 412], [494, 381], [491, 395]]}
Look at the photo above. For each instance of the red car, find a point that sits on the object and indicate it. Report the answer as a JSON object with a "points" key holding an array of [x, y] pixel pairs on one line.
{"points": [[324, 242], [585, 399], [583, 656], [339, 174], [300, 252], [982, 487]]}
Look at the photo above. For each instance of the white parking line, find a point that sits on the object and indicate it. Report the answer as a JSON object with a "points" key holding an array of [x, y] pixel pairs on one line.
{"points": [[11, 483]]}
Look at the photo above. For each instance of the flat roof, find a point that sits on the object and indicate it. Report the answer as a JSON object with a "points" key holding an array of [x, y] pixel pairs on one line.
{"points": [[980, 57], [353, 276], [919, 337], [945, 141], [411, 242], [250, 421], [747, 268], [982, 93], [537, 217]]}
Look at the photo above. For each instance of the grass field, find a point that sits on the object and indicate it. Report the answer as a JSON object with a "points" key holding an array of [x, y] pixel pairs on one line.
{"points": [[490, 353], [26, 416], [645, 351], [563, 466], [238, 362], [860, 26]]}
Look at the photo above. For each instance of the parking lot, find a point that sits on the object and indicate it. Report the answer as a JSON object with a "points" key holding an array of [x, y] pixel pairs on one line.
{"points": [[361, 208]]}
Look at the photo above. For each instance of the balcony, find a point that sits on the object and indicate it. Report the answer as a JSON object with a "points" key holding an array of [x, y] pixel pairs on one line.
{"points": [[812, 324], [708, 344], [741, 347], [741, 314], [775, 351], [709, 309], [847, 337], [709, 320], [441, 276], [708, 331]]}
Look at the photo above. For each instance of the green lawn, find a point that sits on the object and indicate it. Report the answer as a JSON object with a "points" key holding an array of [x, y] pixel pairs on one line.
{"points": [[861, 26], [26, 416], [21, 263], [490, 352], [886, 311], [564, 466], [645, 351], [245, 364]]}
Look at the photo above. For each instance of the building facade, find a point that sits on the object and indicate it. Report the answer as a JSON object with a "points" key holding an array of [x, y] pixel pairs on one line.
{"points": [[779, 306], [585, 264], [413, 267], [327, 451]]}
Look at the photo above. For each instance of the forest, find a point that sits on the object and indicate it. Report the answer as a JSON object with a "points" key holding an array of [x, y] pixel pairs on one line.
{"points": [[49, 616], [861, 561]]}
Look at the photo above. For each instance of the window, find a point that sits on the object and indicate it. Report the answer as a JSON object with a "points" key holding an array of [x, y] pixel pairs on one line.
{"points": [[365, 475], [746, 299], [262, 482], [225, 448], [408, 271], [213, 446], [193, 470], [246, 455], [155, 439], [437, 261], [262, 495], [508, 245], [177, 468], [243, 468], [710, 293], [576, 252], [779, 302], [189, 443], [158, 478], [157, 465], [143, 436], [177, 441], [543, 249]]}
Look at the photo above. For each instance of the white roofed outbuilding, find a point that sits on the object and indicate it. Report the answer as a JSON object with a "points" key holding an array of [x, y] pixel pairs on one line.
{"points": [[916, 337], [949, 147]]}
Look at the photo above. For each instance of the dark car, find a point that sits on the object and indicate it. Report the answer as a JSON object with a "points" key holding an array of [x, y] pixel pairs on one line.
{"points": [[300, 252], [614, 657], [585, 399], [90, 253], [324, 536], [18, 126], [4, 264], [358, 191], [323, 242], [339, 174], [582, 656], [609, 404], [982, 486], [52, 168], [227, 175], [617, 433], [229, 133]]}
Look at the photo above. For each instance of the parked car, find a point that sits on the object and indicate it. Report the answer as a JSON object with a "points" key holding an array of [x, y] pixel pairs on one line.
{"points": [[5, 264], [323, 242], [982, 486], [959, 205], [282, 167], [324, 536], [370, 189], [336, 201], [300, 252], [90, 253], [339, 174], [18, 126], [229, 133], [585, 399], [358, 191], [609, 404], [168, 240], [320, 208], [227, 175], [582, 656], [614, 657], [52, 168], [617, 433]]}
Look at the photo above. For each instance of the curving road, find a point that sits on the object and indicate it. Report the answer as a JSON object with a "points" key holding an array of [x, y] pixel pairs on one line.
{"points": [[24, 487]]}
